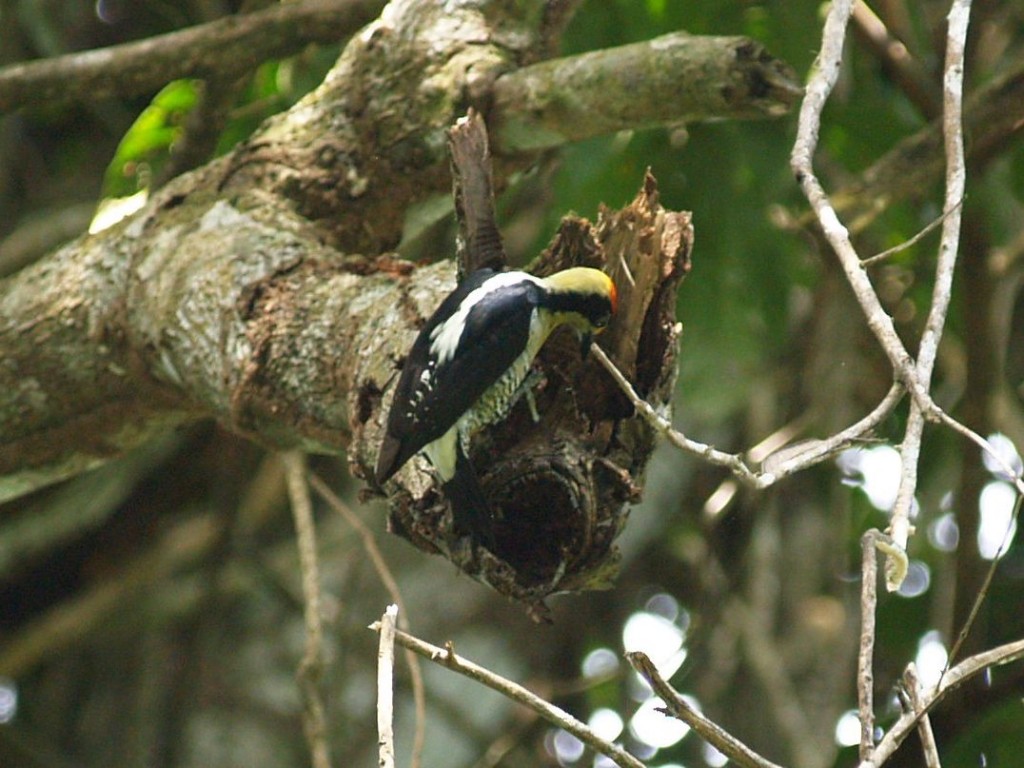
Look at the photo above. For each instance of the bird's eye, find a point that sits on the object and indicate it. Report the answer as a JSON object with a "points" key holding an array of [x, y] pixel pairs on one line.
{"points": [[602, 320]]}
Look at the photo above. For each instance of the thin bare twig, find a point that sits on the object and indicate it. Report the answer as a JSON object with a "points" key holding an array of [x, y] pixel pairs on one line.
{"points": [[446, 657], [678, 707], [796, 458], [865, 656], [664, 426], [391, 585], [818, 89], [986, 584], [912, 687], [386, 688], [1003, 654], [310, 667], [933, 224], [1012, 475], [782, 463], [953, 79]]}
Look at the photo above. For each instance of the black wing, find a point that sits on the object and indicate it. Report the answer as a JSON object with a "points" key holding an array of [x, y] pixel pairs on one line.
{"points": [[497, 329]]}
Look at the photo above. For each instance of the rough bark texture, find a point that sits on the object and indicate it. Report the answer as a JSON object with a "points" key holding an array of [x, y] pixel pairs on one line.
{"points": [[260, 290], [673, 78], [158, 320]]}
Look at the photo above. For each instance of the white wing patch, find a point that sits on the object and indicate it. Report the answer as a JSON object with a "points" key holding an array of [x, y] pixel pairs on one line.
{"points": [[444, 339], [421, 390]]}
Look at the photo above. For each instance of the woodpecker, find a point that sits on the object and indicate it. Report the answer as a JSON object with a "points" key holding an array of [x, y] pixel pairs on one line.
{"points": [[467, 367]]}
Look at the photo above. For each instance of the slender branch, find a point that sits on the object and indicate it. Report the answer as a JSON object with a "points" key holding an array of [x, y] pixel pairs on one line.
{"points": [[1011, 475], [799, 457], [933, 224], [1003, 654], [668, 80], [678, 707], [956, 175], [899, 521], [956, 41], [912, 687], [310, 667], [865, 656], [990, 573], [386, 688], [387, 578], [664, 426], [446, 657], [818, 90], [782, 463], [230, 45]]}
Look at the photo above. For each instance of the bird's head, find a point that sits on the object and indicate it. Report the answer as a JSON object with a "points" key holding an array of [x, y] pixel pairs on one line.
{"points": [[583, 298]]}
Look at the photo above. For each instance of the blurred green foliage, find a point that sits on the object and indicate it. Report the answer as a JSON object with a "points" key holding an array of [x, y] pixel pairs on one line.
{"points": [[748, 335], [148, 143], [145, 146], [770, 335]]}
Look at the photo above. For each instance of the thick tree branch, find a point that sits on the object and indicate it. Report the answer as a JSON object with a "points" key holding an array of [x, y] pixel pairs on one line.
{"points": [[675, 78], [228, 46], [258, 290], [103, 351], [196, 306]]}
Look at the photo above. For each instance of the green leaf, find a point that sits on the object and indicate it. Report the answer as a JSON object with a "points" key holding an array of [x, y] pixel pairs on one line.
{"points": [[147, 143]]}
